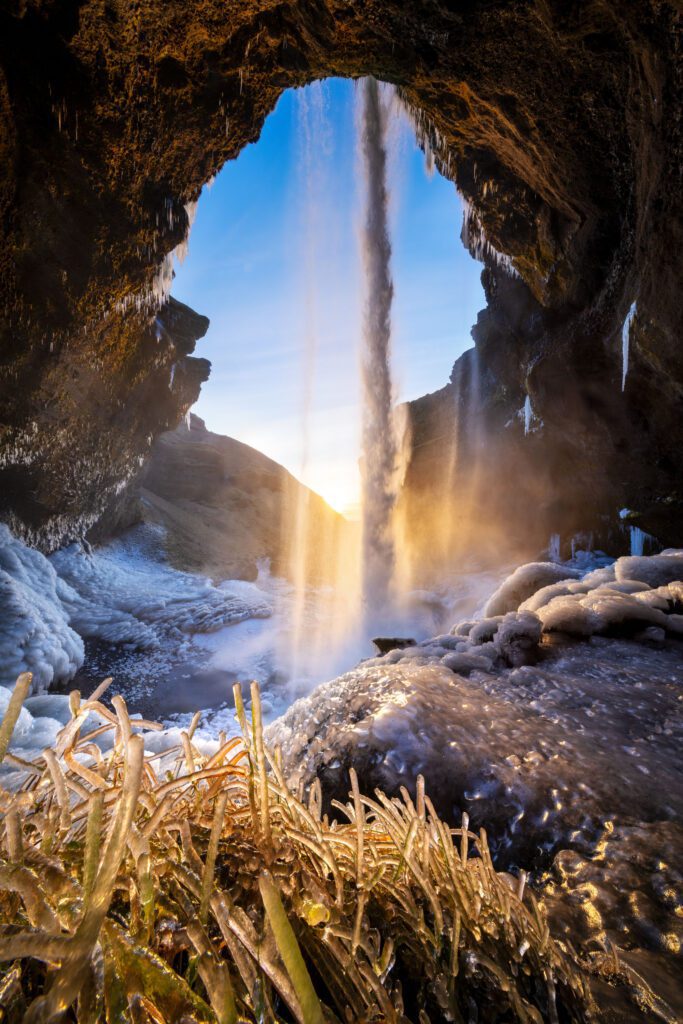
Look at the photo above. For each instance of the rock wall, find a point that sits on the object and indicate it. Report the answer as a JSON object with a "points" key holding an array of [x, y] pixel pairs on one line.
{"points": [[560, 123]]}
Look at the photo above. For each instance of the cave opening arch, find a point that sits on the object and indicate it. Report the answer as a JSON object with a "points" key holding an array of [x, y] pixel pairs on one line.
{"points": [[113, 125]]}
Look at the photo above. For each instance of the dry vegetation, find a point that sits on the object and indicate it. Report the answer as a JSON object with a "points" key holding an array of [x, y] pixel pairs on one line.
{"points": [[179, 888]]}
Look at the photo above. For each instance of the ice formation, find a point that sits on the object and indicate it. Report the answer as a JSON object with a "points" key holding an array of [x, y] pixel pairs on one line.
{"points": [[555, 548], [524, 582], [625, 342], [475, 240], [35, 634], [43, 717]]}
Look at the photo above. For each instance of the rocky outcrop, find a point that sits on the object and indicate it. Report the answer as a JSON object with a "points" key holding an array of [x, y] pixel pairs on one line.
{"points": [[94, 409], [224, 507], [560, 123]]}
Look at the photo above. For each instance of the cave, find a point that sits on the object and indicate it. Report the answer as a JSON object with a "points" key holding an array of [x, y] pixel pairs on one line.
{"points": [[558, 122], [518, 860]]}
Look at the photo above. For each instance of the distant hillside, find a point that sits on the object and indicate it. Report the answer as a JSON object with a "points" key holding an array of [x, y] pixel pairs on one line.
{"points": [[225, 505]]}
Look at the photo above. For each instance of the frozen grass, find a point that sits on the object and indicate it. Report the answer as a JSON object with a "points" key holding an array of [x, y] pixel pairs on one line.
{"points": [[178, 888]]}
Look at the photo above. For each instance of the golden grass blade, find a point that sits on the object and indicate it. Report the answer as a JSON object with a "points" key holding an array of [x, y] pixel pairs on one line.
{"points": [[92, 843], [211, 854], [288, 947], [20, 692], [261, 769]]}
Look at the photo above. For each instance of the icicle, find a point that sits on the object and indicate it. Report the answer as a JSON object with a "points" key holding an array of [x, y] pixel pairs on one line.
{"points": [[528, 414], [625, 340], [637, 540]]}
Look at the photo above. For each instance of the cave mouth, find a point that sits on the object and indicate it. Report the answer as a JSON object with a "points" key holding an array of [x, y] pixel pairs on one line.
{"points": [[274, 257], [273, 260], [552, 122]]}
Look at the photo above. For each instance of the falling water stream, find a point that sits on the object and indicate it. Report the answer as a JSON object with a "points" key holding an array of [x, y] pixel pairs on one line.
{"points": [[378, 435]]}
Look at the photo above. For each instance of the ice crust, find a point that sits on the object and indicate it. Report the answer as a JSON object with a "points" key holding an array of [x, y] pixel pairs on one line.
{"points": [[35, 633], [122, 594], [524, 582]]}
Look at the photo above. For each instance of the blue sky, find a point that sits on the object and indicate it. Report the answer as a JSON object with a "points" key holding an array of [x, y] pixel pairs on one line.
{"points": [[274, 263]]}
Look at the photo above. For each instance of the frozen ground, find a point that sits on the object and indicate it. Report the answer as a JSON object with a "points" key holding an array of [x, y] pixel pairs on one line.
{"points": [[552, 713], [121, 598], [175, 642]]}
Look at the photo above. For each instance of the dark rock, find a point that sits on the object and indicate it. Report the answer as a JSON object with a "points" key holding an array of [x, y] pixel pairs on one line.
{"points": [[384, 644]]}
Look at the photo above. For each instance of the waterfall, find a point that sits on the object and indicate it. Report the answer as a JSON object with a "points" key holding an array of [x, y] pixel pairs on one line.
{"points": [[378, 438], [322, 556]]}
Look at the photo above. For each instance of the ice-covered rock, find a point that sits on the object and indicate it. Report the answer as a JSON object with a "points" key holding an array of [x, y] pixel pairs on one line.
{"points": [[35, 634], [466, 661], [655, 570], [484, 630], [517, 637], [539, 754], [524, 582]]}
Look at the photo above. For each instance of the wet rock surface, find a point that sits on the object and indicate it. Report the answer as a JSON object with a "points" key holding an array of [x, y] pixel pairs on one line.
{"points": [[561, 125], [541, 755]]}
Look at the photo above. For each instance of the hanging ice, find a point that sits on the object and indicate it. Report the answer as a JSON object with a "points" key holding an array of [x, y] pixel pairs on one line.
{"points": [[637, 540], [554, 549], [625, 340], [474, 239], [528, 414]]}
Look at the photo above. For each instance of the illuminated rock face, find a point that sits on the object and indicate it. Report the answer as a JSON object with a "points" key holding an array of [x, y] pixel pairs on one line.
{"points": [[559, 123]]}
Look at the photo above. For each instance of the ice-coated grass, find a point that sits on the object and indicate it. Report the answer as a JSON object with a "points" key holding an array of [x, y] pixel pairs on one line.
{"points": [[193, 888]]}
